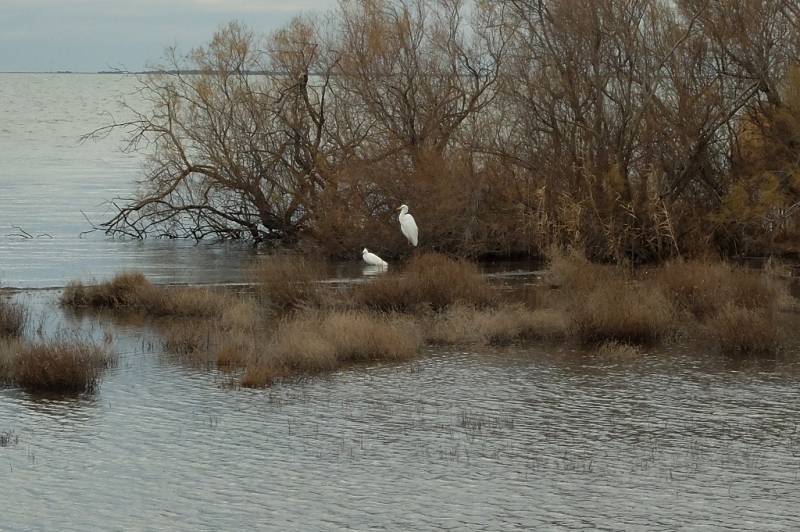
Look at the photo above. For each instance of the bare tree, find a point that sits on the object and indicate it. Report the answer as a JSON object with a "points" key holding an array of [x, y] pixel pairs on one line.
{"points": [[234, 140]]}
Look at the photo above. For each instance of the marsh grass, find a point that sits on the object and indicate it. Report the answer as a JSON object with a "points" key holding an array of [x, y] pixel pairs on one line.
{"points": [[287, 283], [704, 288], [315, 342], [14, 317], [623, 311], [60, 365], [7, 437], [613, 349], [506, 324], [431, 280], [608, 304], [288, 326], [132, 292], [737, 307], [749, 331]]}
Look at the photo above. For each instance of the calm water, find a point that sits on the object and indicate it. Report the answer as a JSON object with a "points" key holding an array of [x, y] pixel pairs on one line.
{"points": [[53, 188], [546, 438]]}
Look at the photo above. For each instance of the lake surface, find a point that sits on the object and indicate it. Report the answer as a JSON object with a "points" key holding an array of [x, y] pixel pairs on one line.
{"points": [[539, 438]]}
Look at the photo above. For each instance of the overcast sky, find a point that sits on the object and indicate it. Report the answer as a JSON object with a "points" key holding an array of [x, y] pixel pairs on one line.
{"points": [[95, 35]]}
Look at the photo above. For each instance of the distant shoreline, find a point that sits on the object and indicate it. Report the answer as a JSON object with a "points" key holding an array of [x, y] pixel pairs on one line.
{"points": [[124, 72]]}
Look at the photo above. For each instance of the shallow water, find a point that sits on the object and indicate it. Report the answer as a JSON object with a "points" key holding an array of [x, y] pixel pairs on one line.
{"points": [[538, 438], [542, 438]]}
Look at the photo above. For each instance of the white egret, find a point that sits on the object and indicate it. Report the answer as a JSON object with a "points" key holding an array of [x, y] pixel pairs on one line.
{"points": [[372, 259], [408, 225]]}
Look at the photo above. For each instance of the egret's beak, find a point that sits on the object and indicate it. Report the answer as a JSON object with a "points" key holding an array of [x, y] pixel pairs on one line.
{"points": [[399, 208]]}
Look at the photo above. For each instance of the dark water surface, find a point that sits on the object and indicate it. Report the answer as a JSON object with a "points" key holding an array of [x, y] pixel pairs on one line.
{"points": [[542, 438]]}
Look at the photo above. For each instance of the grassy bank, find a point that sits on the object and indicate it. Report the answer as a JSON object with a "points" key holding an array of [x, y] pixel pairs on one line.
{"points": [[288, 324]]}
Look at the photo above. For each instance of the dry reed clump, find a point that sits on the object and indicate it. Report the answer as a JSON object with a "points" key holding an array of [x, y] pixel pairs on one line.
{"points": [[749, 331], [8, 347], [57, 366], [287, 282], [232, 356], [318, 342], [462, 324], [430, 280], [258, 375], [618, 350], [623, 311], [736, 306], [13, 318], [574, 272], [128, 290], [704, 288], [605, 303], [131, 291]]}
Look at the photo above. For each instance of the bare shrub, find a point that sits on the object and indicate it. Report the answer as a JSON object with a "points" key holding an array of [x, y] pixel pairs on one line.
{"points": [[744, 330], [59, 366], [14, 316], [431, 280], [287, 282]]}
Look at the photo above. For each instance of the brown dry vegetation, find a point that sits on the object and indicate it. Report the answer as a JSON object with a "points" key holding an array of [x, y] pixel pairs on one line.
{"points": [[735, 306], [61, 365], [319, 342], [13, 318], [439, 300], [667, 129], [508, 323], [287, 282], [430, 280], [132, 292]]}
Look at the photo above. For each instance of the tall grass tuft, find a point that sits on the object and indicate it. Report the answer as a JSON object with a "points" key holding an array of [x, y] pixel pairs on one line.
{"points": [[132, 292], [705, 288], [287, 282], [617, 310], [749, 331], [606, 304], [14, 317], [317, 342], [431, 280], [58, 366], [506, 324]]}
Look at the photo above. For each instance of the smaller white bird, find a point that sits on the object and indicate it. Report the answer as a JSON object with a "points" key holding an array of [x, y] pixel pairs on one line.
{"points": [[407, 225], [373, 259]]}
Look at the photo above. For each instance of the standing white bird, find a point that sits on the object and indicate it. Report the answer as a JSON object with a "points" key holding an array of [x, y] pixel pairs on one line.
{"points": [[408, 225], [373, 259]]}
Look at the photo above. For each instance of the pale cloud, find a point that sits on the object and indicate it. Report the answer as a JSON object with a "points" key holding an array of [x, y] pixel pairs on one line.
{"points": [[92, 35]]}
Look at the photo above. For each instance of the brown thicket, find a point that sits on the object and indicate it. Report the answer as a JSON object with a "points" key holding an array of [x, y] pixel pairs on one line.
{"points": [[633, 130]]}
